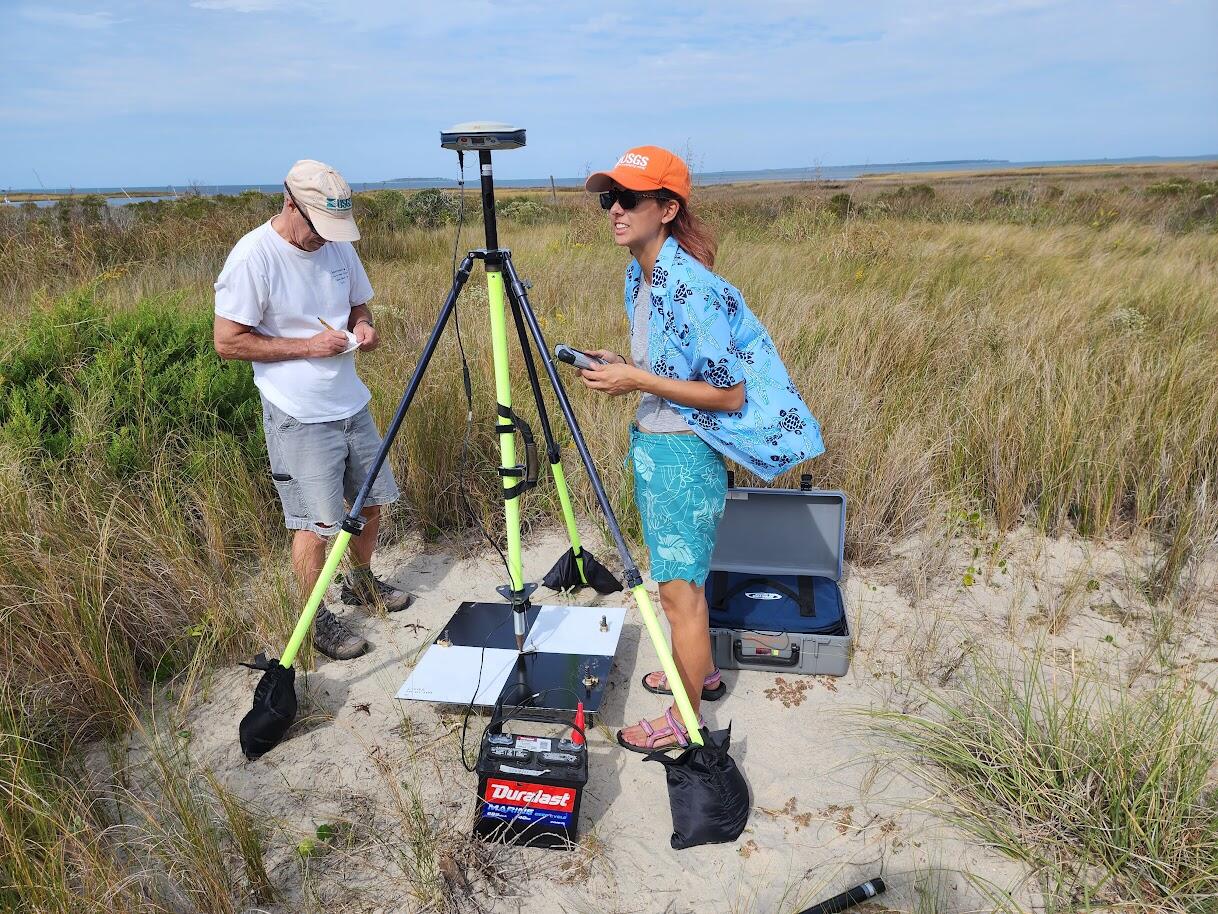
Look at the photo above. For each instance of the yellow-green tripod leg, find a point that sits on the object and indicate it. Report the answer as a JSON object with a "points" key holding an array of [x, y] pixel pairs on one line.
{"points": [[669, 666], [507, 441], [568, 514], [337, 551]]}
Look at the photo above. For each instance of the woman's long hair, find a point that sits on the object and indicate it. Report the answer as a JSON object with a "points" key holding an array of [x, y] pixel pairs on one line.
{"points": [[693, 235]]}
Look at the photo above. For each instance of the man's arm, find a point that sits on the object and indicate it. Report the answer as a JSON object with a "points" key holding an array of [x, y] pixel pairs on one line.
{"points": [[360, 323], [240, 342], [359, 313]]}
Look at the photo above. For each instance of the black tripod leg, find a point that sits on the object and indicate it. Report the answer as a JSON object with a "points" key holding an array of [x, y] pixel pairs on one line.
{"points": [[552, 453], [519, 296], [352, 522], [535, 383]]}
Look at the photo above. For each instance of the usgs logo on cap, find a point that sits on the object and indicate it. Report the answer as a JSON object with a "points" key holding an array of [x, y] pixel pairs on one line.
{"points": [[634, 160], [339, 203]]}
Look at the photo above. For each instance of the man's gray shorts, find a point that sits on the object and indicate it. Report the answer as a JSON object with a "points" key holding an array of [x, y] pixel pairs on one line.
{"points": [[318, 467]]}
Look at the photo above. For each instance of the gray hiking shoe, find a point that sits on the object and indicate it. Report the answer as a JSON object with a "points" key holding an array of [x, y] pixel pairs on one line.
{"points": [[333, 638], [363, 588]]}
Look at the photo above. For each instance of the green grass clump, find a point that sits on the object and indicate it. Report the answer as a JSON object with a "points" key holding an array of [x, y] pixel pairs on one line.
{"points": [[182, 841], [132, 477], [1110, 797], [50, 859], [79, 380]]}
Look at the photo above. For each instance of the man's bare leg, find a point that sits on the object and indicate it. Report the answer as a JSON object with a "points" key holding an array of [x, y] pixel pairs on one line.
{"points": [[362, 588], [364, 545], [330, 635], [308, 557]]}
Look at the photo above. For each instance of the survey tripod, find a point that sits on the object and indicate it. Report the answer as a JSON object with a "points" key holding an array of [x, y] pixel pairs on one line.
{"points": [[505, 290]]}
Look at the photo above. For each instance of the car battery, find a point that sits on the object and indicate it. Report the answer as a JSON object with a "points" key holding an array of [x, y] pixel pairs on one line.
{"points": [[529, 789]]}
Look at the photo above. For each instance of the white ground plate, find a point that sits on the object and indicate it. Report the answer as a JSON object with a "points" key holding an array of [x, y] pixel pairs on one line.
{"points": [[576, 630], [450, 674]]}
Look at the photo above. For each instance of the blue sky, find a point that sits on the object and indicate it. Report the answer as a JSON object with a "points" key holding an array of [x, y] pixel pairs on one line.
{"points": [[233, 91]]}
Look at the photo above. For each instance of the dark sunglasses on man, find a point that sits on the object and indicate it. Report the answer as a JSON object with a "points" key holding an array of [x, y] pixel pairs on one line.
{"points": [[300, 209], [628, 198]]}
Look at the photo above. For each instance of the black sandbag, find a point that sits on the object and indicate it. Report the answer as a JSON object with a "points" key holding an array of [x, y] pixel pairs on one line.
{"points": [[707, 792], [565, 574], [274, 707]]}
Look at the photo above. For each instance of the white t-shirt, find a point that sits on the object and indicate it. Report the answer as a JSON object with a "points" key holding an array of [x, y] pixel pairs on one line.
{"points": [[280, 290]]}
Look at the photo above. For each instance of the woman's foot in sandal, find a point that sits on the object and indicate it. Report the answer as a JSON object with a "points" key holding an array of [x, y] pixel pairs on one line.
{"points": [[646, 736], [713, 687]]}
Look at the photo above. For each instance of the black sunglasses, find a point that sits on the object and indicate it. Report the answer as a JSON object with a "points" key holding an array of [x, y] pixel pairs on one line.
{"points": [[628, 198], [300, 209]]}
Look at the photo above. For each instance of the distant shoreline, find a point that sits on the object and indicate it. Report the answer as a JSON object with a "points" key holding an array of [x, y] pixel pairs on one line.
{"points": [[804, 174]]}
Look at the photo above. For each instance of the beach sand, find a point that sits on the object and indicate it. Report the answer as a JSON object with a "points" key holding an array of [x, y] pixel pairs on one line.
{"points": [[831, 804]]}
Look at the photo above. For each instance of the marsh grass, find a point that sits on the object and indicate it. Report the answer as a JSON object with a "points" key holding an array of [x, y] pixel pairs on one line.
{"points": [[160, 835], [1107, 794], [996, 348]]}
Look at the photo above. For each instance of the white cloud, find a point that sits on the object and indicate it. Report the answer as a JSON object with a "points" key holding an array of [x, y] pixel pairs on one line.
{"points": [[68, 19], [891, 80], [237, 6]]}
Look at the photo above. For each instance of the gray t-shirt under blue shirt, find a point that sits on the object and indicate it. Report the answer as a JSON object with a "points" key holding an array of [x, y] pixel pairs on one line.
{"points": [[655, 414]]}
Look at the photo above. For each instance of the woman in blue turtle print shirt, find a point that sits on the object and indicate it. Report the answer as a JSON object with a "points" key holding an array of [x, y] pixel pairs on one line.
{"points": [[712, 386]]}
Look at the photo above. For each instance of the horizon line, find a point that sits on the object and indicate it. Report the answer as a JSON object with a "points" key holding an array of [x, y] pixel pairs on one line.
{"points": [[435, 181]]}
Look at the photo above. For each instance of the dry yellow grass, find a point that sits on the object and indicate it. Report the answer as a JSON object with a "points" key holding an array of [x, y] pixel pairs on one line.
{"points": [[1027, 356]]}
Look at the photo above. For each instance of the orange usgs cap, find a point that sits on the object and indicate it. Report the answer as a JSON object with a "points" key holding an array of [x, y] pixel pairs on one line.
{"points": [[644, 168]]}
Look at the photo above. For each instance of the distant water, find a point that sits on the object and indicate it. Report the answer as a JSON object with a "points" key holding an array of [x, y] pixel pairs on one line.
{"points": [[111, 201], [116, 196]]}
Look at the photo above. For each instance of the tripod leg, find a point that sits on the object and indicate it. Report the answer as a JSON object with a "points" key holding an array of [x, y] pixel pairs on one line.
{"points": [[429, 350], [634, 580], [352, 523], [305, 622], [507, 445], [560, 479]]}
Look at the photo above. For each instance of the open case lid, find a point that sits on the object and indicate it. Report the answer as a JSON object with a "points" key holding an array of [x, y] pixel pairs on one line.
{"points": [[782, 531]]}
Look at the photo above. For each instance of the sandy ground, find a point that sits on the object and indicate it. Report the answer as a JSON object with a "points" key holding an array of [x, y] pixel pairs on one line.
{"points": [[830, 806]]}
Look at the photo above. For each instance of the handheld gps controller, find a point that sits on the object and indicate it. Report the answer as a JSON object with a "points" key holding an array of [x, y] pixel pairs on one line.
{"points": [[574, 357]]}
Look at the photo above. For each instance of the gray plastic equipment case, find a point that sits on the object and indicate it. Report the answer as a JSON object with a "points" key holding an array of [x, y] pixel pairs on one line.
{"points": [[783, 532]]}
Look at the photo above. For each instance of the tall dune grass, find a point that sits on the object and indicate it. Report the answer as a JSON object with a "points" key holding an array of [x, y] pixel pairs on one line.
{"points": [[1108, 796], [1032, 356]]}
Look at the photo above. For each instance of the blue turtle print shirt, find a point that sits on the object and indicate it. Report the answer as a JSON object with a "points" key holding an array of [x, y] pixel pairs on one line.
{"points": [[700, 329]]}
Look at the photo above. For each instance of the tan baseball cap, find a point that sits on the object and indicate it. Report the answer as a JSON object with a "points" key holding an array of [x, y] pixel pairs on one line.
{"points": [[326, 198]]}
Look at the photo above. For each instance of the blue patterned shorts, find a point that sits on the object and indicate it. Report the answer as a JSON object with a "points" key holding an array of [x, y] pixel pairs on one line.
{"points": [[680, 485]]}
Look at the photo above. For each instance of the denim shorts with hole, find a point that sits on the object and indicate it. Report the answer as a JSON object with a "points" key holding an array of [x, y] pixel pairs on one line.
{"points": [[318, 467]]}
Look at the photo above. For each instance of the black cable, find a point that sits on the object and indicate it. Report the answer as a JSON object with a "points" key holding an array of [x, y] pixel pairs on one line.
{"points": [[516, 709], [497, 718], [469, 708]]}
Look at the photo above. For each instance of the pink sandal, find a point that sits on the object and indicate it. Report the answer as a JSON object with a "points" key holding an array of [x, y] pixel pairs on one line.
{"points": [[713, 687], [674, 729]]}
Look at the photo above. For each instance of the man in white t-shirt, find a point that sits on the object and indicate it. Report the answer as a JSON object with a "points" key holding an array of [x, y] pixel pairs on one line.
{"points": [[293, 300]]}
